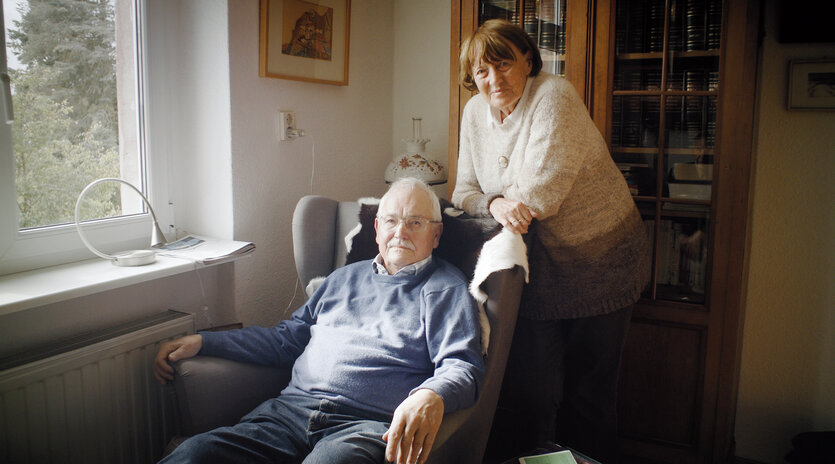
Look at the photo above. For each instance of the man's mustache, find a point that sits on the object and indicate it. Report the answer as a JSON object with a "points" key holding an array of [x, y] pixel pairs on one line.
{"points": [[397, 242]]}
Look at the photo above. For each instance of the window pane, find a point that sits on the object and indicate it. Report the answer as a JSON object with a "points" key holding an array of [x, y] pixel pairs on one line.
{"points": [[72, 70]]}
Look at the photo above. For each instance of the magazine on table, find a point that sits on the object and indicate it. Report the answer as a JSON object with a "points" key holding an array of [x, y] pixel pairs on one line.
{"points": [[556, 454], [560, 457], [205, 250]]}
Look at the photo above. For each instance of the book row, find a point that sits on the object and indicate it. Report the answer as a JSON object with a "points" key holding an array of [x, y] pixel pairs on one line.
{"points": [[690, 122], [681, 260], [543, 21], [693, 25], [695, 79]]}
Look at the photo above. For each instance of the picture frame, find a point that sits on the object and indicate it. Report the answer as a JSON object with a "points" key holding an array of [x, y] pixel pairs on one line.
{"points": [[811, 85], [305, 40]]}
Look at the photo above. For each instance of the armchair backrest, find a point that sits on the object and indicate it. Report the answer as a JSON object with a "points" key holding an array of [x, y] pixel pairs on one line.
{"points": [[319, 227]]}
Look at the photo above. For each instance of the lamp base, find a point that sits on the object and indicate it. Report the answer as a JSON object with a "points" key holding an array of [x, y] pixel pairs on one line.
{"points": [[134, 258]]}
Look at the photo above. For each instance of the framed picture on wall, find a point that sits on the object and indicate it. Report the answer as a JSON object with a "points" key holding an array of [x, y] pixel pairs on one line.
{"points": [[811, 85], [305, 40]]}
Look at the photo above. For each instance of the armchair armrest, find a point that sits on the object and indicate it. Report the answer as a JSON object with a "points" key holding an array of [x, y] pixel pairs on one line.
{"points": [[463, 435], [213, 392]]}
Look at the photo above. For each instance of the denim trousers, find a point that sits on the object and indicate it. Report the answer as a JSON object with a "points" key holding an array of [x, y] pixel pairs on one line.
{"points": [[291, 429]]}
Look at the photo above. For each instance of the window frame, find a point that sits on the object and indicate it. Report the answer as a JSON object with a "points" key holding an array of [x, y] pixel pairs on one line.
{"points": [[23, 250]]}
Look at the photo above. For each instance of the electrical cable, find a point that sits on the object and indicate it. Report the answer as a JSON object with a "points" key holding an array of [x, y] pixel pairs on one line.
{"points": [[197, 265], [312, 161], [293, 298], [312, 177]]}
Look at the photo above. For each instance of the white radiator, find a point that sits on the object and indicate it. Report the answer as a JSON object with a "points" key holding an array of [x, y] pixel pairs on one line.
{"points": [[91, 400]]}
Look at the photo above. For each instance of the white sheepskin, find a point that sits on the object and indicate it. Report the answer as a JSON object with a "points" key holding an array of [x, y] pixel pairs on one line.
{"points": [[503, 251], [313, 285], [453, 212], [349, 239]]}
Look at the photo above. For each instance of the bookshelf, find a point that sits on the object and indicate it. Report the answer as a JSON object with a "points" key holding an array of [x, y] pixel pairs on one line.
{"points": [[544, 21], [671, 85], [663, 131], [675, 99]]}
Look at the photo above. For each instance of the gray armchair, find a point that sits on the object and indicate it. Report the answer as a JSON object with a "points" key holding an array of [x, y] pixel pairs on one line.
{"points": [[213, 392]]}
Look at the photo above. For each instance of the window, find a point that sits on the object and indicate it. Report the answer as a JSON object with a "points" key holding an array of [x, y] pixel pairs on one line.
{"points": [[75, 90]]}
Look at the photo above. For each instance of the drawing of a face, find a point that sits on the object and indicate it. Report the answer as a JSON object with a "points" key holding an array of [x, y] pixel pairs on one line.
{"points": [[303, 30], [307, 30]]}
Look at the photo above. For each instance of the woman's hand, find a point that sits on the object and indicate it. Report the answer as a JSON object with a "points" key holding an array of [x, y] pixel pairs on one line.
{"points": [[514, 215]]}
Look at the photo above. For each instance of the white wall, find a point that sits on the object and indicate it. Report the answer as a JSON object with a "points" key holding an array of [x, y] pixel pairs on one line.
{"points": [[189, 119], [787, 378], [421, 75], [399, 68], [349, 127]]}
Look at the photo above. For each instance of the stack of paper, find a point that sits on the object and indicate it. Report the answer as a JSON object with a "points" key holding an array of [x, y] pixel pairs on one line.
{"points": [[205, 250]]}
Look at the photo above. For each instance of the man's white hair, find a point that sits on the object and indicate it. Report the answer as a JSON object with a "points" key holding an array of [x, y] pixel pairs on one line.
{"points": [[416, 184]]}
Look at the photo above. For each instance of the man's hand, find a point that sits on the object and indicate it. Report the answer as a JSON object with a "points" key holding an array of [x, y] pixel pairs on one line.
{"points": [[414, 427], [512, 214], [175, 350]]}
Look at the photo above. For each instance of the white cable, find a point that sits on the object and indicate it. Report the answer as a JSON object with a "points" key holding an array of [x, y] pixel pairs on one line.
{"points": [[312, 161], [197, 266], [312, 176], [205, 307], [293, 298], [200, 279]]}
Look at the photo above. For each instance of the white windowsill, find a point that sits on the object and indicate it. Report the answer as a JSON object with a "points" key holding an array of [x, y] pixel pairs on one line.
{"points": [[40, 287]]}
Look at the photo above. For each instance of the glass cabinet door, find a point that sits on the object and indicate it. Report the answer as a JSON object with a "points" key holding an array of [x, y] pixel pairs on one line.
{"points": [[663, 131], [543, 20]]}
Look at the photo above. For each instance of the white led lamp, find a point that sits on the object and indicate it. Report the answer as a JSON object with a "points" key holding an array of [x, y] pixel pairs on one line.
{"points": [[125, 258]]}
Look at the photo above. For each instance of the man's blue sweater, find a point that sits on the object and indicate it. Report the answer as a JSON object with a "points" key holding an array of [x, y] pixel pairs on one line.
{"points": [[368, 341]]}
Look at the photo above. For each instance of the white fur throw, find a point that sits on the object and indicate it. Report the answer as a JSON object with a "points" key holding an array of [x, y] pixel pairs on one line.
{"points": [[313, 285], [349, 239], [503, 251]]}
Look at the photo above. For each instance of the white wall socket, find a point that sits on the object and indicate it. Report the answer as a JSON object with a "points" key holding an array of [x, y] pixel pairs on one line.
{"points": [[287, 125]]}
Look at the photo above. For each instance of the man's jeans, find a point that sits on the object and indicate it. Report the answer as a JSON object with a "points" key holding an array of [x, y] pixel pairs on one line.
{"points": [[291, 429]]}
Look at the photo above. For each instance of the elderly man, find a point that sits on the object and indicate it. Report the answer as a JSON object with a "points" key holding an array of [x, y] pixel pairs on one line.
{"points": [[379, 353]]}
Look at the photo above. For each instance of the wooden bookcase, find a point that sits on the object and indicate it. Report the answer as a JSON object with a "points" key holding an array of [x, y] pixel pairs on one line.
{"points": [[671, 86]]}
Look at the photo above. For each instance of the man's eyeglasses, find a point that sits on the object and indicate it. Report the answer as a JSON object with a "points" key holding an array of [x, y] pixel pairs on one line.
{"points": [[412, 223]]}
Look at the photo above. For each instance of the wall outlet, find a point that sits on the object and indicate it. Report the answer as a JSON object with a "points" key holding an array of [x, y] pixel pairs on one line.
{"points": [[287, 125]]}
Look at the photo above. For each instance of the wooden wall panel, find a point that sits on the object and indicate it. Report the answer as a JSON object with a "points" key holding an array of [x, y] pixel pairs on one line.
{"points": [[663, 386]]}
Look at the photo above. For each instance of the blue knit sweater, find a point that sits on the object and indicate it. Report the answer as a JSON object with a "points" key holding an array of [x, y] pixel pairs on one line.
{"points": [[368, 341]]}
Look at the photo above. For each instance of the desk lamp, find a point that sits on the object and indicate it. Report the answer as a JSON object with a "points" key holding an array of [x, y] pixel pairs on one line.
{"points": [[125, 258]]}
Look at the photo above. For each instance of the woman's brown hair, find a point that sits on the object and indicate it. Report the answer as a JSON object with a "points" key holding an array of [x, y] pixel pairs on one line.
{"points": [[491, 43]]}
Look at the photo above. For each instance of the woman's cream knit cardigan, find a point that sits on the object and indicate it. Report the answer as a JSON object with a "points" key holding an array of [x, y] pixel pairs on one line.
{"points": [[590, 254]]}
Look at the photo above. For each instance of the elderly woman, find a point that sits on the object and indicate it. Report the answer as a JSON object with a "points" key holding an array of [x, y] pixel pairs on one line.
{"points": [[529, 150]]}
